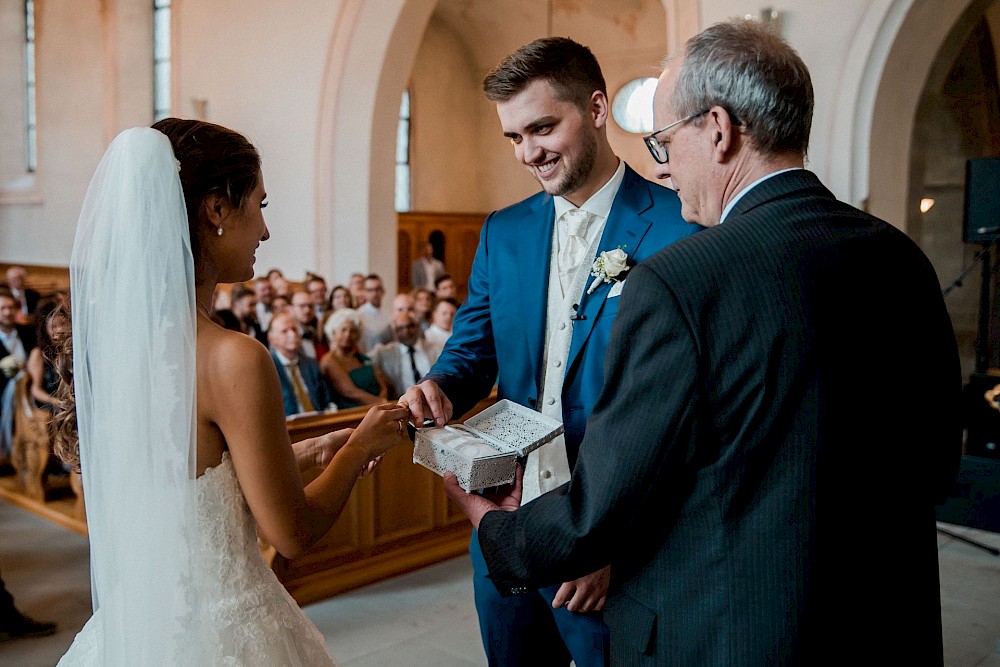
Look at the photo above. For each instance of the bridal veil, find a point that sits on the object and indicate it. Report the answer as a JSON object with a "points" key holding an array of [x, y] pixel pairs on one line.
{"points": [[132, 282]]}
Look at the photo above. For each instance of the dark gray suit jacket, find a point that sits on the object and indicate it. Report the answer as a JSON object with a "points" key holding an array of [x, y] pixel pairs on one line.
{"points": [[780, 414]]}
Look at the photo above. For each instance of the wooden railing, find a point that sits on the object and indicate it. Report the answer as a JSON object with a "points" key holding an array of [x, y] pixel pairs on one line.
{"points": [[397, 519]]}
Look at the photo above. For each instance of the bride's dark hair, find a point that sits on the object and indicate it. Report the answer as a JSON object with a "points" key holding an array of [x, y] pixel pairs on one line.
{"points": [[213, 160]]}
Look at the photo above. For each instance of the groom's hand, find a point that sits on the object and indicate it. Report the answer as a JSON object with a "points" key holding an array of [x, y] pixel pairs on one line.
{"points": [[585, 594], [427, 401], [475, 506]]}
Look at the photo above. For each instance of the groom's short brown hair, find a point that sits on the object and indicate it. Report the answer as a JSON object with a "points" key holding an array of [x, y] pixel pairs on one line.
{"points": [[570, 68]]}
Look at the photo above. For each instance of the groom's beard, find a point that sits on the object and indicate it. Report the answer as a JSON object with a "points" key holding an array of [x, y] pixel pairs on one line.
{"points": [[577, 171]]}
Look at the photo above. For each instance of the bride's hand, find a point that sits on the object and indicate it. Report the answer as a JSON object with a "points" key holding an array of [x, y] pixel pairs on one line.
{"points": [[329, 444], [370, 466], [383, 428]]}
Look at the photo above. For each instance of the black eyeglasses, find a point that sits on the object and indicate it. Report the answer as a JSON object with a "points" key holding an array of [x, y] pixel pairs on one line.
{"points": [[659, 150]]}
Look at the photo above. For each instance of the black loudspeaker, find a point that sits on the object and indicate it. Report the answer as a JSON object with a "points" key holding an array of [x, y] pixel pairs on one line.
{"points": [[982, 200], [982, 420], [974, 500]]}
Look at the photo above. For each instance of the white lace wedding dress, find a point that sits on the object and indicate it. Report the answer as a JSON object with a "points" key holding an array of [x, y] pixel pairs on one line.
{"points": [[248, 618]]}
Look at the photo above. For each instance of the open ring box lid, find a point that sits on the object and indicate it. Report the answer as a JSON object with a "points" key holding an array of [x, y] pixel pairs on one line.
{"points": [[483, 451]]}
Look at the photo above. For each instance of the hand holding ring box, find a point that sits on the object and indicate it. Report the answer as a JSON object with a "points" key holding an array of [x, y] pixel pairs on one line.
{"points": [[484, 450]]}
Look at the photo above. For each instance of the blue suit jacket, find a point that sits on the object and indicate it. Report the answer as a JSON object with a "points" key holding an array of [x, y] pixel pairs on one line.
{"points": [[499, 331], [312, 378]]}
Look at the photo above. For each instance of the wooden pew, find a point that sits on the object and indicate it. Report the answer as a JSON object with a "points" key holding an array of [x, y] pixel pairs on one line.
{"points": [[31, 451], [31, 446], [397, 519]]}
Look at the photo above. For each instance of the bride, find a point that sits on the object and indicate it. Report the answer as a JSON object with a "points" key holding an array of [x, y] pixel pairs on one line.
{"points": [[177, 424]]}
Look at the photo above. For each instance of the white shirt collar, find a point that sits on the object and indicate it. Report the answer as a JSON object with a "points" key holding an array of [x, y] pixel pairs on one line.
{"points": [[741, 193], [285, 361]]}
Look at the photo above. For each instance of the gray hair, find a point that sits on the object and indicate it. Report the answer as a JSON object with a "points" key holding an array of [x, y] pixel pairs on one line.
{"points": [[748, 70], [338, 318]]}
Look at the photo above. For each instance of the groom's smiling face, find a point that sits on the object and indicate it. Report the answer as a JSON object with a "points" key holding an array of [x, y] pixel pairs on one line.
{"points": [[552, 137]]}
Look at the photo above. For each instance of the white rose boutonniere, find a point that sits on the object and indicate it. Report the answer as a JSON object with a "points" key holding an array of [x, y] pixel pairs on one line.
{"points": [[11, 365], [608, 267]]}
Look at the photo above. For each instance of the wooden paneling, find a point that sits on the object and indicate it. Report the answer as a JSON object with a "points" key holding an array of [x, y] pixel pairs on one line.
{"points": [[461, 238], [45, 280]]}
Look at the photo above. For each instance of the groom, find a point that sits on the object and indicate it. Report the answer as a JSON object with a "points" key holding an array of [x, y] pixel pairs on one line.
{"points": [[539, 322]]}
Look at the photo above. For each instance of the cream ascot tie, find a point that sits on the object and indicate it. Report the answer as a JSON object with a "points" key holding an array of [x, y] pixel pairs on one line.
{"points": [[574, 249]]}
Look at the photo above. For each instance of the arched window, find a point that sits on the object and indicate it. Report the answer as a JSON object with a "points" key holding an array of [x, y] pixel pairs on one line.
{"points": [[632, 107], [403, 154], [30, 131], [161, 59]]}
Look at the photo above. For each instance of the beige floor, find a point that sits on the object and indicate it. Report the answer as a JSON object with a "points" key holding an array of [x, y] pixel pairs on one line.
{"points": [[427, 617]]}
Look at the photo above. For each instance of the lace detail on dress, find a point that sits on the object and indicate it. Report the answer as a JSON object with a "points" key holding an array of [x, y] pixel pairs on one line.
{"points": [[248, 619]]}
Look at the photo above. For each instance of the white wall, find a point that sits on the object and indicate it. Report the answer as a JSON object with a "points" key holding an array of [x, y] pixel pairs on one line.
{"points": [[446, 157], [74, 71], [260, 67], [316, 86]]}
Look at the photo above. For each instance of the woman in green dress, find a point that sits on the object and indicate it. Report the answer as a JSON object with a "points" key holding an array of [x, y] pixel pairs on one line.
{"points": [[354, 378]]}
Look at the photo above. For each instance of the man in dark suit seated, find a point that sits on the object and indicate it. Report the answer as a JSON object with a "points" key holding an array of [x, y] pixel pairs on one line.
{"points": [[27, 298], [760, 484], [16, 342], [303, 386], [242, 313]]}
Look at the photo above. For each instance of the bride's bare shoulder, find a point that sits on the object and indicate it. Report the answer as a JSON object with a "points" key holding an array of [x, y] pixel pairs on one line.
{"points": [[231, 354]]}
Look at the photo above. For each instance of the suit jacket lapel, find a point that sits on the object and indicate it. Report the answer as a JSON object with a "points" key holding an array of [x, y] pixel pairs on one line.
{"points": [[625, 228], [533, 239]]}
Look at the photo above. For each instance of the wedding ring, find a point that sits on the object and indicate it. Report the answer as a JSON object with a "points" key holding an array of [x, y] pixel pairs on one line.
{"points": [[399, 424]]}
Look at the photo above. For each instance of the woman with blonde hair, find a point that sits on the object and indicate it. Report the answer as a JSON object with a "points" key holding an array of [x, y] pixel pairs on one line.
{"points": [[353, 376]]}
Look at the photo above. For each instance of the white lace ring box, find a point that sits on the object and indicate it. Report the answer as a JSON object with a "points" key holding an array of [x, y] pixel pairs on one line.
{"points": [[483, 451]]}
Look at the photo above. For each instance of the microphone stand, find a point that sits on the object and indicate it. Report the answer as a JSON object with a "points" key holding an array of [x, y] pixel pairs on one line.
{"points": [[982, 351]]}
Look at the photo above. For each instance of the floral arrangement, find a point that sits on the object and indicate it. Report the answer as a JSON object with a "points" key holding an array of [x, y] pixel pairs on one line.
{"points": [[609, 266], [11, 365]]}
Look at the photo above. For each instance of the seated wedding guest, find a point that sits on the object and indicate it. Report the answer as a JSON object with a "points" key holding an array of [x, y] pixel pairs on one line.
{"points": [[423, 303], [426, 269], [273, 275], [340, 297], [282, 288], [351, 374], [52, 330], [316, 286], [265, 294], [313, 342], [404, 361], [52, 325], [27, 298], [357, 287], [441, 318], [303, 387], [16, 340], [242, 313], [376, 327], [279, 304], [444, 288], [403, 303]]}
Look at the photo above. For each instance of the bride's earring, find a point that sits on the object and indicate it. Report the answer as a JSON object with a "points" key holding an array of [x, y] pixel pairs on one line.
{"points": [[218, 231]]}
